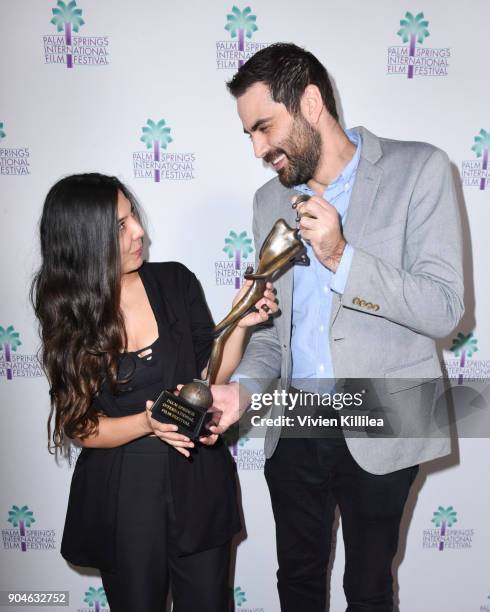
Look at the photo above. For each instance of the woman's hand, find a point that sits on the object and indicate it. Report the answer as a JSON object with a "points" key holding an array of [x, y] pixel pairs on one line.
{"points": [[168, 433], [210, 439], [268, 300]]}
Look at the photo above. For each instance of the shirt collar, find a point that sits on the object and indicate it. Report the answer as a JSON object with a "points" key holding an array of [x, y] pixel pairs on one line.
{"points": [[347, 172]]}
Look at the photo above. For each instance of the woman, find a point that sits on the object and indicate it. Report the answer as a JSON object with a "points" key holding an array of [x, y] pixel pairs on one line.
{"points": [[147, 506]]}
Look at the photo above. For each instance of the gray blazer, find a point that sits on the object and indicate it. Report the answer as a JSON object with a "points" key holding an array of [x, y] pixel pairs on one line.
{"points": [[404, 289]]}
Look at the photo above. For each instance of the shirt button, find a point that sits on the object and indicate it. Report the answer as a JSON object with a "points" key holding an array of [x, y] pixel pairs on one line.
{"points": [[321, 367], [321, 328], [325, 289], [347, 187]]}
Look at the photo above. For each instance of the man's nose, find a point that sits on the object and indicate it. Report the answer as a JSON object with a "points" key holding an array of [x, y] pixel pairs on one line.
{"points": [[260, 145]]}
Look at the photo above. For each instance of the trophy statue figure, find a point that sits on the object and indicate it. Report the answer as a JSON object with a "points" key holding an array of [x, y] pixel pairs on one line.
{"points": [[190, 409]]}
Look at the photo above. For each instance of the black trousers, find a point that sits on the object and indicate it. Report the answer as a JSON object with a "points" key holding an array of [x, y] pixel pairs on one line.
{"points": [[147, 561], [307, 479]]}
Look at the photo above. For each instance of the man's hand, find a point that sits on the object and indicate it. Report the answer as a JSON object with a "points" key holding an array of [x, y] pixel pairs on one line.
{"points": [[320, 226], [232, 404]]}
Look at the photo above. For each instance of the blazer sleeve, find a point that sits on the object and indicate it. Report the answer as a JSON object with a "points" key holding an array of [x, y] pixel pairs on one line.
{"points": [[427, 294]]}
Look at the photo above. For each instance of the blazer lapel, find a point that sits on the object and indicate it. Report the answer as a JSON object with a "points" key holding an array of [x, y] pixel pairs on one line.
{"points": [[363, 195], [168, 331], [285, 281]]}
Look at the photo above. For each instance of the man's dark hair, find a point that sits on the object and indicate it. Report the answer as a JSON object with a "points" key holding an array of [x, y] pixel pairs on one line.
{"points": [[287, 69]]}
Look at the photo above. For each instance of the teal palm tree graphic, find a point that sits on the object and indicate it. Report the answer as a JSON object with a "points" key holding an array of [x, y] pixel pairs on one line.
{"points": [[238, 245], [481, 147], [2, 133], [96, 597], [444, 517], [464, 346], [414, 29], [9, 341], [67, 17], [239, 596], [233, 439], [243, 440], [241, 23], [156, 135], [21, 518]]}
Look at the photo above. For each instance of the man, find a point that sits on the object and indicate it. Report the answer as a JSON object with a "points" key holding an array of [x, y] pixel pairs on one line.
{"points": [[385, 278]]}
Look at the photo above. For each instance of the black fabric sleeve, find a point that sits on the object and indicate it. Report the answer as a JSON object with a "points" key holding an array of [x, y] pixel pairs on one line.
{"points": [[201, 323]]}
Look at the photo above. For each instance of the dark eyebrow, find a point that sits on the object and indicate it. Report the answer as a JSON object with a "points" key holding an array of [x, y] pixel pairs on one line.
{"points": [[131, 211], [257, 124]]}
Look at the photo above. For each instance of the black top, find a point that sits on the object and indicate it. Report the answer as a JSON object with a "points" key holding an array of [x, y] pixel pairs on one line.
{"points": [[140, 373], [205, 487]]}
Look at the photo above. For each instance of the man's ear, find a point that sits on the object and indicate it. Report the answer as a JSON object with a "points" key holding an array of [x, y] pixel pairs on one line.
{"points": [[311, 104]]}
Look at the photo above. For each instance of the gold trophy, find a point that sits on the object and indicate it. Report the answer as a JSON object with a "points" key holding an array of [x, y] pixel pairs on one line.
{"points": [[190, 410]]}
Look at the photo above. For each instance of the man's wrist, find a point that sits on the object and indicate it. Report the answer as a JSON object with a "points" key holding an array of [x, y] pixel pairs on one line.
{"points": [[332, 261], [243, 395]]}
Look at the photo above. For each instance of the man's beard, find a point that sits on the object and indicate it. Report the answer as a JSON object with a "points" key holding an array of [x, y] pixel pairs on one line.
{"points": [[302, 149]]}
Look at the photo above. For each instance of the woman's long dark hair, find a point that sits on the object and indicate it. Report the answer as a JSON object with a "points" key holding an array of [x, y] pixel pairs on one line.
{"points": [[76, 298]]}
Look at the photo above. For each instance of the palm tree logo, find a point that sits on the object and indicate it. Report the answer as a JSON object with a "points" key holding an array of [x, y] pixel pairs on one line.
{"points": [[444, 517], [481, 147], [241, 443], [96, 597], [414, 29], [241, 23], [234, 440], [67, 17], [238, 246], [9, 341], [464, 346], [2, 133], [156, 135], [239, 596], [21, 518]]}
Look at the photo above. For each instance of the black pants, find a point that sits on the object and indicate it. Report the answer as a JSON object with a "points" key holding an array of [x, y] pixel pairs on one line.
{"points": [[147, 560], [307, 479]]}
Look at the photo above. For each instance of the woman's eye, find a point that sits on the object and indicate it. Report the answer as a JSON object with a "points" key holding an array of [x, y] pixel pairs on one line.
{"points": [[121, 226]]}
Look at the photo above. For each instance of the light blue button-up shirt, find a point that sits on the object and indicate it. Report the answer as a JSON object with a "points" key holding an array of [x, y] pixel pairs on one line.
{"points": [[313, 287]]}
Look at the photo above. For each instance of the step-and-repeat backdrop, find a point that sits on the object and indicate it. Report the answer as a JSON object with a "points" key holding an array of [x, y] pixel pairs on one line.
{"points": [[137, 89]]}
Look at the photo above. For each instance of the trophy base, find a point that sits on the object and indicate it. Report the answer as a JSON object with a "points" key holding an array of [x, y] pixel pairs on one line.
{"points": [[192, 421]]}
